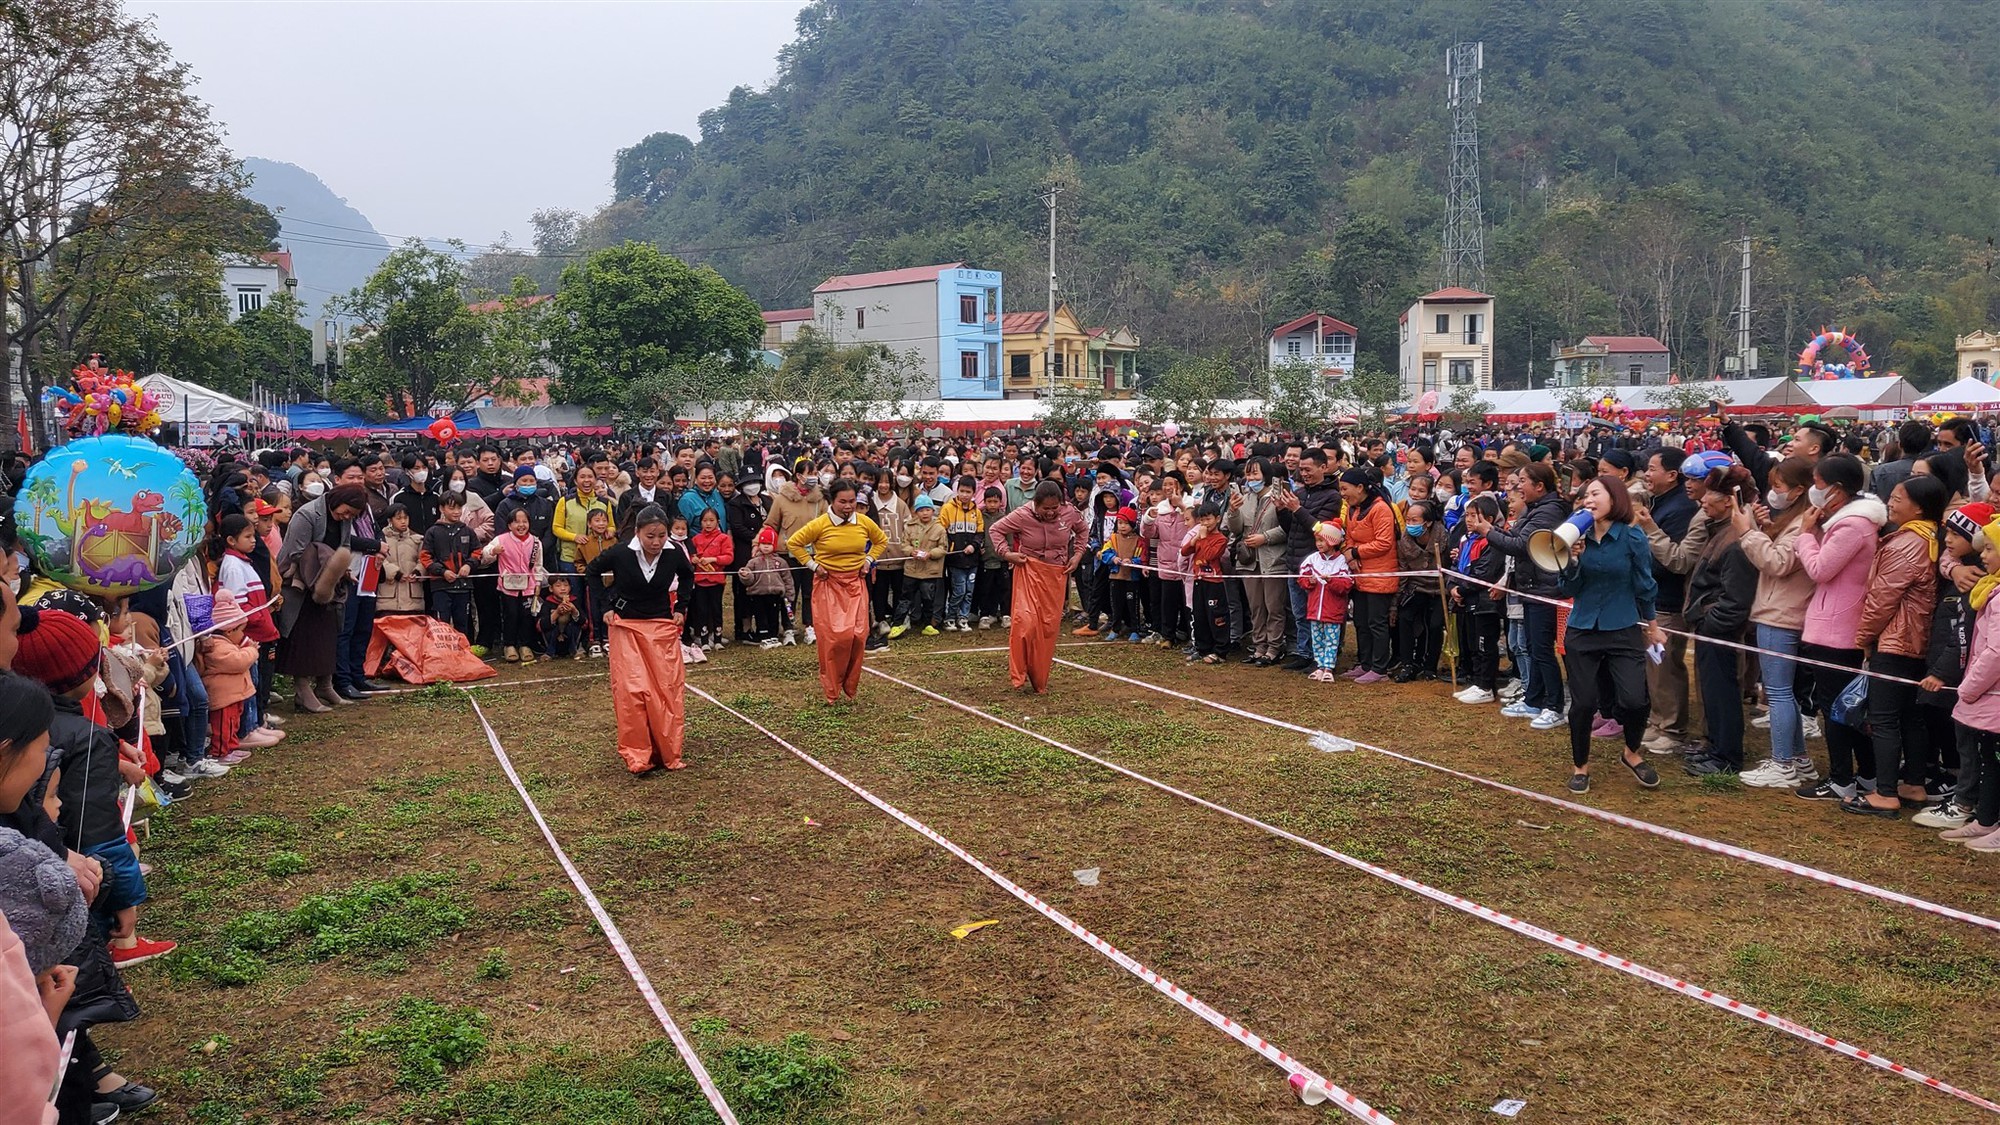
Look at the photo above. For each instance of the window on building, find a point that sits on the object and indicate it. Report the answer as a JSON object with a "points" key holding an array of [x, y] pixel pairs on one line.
{"points": [[1292, 346], [1430, 374], [1059, 365], [968, 365], [1019, 365], [860, 318], [249, 301], [1475, 328], [1461, 372], [1634, 372], [968, 310], [1339, 342], [1443, 323], [1404, 325], [1979, 371], [992, 305]]}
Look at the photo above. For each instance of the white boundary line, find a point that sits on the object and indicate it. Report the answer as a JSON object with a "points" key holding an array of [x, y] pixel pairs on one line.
{"points": [[1689, 838], [1311, 1088], [1529, 929], [611, 931]]}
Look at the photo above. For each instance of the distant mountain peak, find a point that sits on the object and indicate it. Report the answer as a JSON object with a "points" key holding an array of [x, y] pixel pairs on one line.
{"points": [[334, 246]]}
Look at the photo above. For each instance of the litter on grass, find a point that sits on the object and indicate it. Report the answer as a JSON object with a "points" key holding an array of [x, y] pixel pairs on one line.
{"points": [[1087, 876], [1509, 1107], [962, 932]]}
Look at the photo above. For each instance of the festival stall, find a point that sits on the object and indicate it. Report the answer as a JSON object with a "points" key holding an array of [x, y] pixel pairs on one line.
{"points": [[323, 422], [1966, 394], [209, 417]]}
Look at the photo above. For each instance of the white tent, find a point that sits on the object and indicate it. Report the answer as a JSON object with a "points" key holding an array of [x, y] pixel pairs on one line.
{"points": [[1881, 393], [1966, 394], [182, 402]]}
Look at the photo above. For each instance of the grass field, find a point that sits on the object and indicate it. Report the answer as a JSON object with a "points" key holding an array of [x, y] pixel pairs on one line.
{"points": [[373, 930]]}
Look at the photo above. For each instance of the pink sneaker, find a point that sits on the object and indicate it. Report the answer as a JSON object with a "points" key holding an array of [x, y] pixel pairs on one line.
{"points": [[1987, 843], [234, 757], [1607, 728], [1970, 830], [1353, 673], [1370, 678]]}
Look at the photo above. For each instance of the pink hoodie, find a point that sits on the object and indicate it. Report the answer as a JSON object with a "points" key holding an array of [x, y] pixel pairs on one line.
{"points": [[1837, 558], [28, 1048], [1979, 692]]}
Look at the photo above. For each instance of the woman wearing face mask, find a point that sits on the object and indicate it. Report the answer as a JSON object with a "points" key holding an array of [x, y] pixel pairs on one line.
{"points": [[794, 504], [1895, 629], [1769, 539], [649, 584], [1260, 559], [1836, 549], [418, 497]]}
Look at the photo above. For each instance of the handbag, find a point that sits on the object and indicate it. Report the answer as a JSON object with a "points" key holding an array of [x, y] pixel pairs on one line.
{"points": [[1850, 707]]}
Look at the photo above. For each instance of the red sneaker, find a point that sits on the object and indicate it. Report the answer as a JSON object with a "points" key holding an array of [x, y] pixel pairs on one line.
{"points": [[144, 949]]}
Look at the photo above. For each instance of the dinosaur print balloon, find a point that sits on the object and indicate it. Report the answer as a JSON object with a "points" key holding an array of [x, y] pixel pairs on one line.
{"points": [[110, 515]]}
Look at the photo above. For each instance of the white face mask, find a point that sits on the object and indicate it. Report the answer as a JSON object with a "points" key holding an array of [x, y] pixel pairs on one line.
{"points": [[419, 476], [825, 479], [314, 488], [752, 489], [1776, 500], [1817, 496], [903, 480], [458, 486]]}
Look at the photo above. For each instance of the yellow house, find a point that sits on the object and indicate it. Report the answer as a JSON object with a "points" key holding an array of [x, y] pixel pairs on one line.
{"points": [[1104, 358], [1979, 356]]}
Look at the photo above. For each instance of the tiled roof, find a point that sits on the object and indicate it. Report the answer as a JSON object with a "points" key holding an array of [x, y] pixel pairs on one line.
{"points": [[1457, 293], [1620, 344]]}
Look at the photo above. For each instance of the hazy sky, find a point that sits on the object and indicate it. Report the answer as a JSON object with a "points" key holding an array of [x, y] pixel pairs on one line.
{"points": [[459, 119]]}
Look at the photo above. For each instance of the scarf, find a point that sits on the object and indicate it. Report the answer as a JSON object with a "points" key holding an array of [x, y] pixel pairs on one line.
{"points": [[1982, 591], [1929, 530]]}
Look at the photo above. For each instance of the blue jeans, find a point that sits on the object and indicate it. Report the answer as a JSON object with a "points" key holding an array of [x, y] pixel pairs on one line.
{"points": [[1788, 736], [958, 606], [192, 697], [1517, 647], [1545, 689], [351, 653], [1302, 644]]}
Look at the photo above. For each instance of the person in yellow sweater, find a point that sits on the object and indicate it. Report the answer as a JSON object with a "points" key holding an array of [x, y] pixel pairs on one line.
{"points": [[839, 549]]}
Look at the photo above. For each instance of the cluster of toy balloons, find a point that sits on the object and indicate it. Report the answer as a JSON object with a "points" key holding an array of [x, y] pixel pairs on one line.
{"points": [[1856, 367], [102, 400]]}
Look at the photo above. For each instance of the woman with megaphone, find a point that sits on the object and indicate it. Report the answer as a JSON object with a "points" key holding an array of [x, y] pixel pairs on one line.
{"points": [[1609, 575]]}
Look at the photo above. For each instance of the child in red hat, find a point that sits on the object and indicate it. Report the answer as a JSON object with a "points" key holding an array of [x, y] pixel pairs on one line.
{"points": [[767, 585]]}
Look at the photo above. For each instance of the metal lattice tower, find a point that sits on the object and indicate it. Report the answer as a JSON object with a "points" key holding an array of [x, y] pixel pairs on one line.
{"points": [[1464, 221]]}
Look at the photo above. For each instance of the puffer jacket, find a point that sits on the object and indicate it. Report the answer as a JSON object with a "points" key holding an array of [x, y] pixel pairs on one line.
{"points": [[1258, 515], [1783, 588], [1722, 587], [1896, 612], [1415, 554], [402, 560], [1543, 515], [767, 574], [1371, 535], [1164, 526], [1318, 503], [1979, 692], [930, 538], [1837, 558]]}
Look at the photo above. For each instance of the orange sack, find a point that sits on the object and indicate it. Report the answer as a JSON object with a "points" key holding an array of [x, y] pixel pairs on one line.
{"points": [[1040, 589], [647, 682], [423, 650], [840, 622]]}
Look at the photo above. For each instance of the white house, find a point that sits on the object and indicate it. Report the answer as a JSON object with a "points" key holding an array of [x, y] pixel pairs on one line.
{"points": [[248, 284], [1446, 341], [1316, 339]]}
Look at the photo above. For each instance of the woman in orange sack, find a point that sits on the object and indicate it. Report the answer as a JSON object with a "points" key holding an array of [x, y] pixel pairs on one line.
{"points": [[1044, 539], [650, 586], [839, 547]]}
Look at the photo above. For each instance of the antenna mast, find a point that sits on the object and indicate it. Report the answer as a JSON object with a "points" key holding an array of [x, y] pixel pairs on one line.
{"points": [[1464, 223]]}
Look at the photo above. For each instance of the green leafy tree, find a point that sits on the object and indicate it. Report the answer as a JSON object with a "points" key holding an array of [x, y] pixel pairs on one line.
{"points": [[1190, 391], [823, 381], [722, 391], [630, 311], [419, 346], [650, 170], [1687, 399], [1464, 410], [1372, 390], [276, 348], [1298, 399], [1073, 410]]}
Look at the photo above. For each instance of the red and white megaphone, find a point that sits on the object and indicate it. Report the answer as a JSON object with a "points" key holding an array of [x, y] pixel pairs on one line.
{"points": [[1550, 549]]}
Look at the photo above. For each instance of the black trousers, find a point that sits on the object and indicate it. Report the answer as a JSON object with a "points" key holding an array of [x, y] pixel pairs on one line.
{"points": [[1420, 632], [1479, 648], [707, 623], [1986, 755], [923, 600], [1124, 607], [1170, 616], [802, 577], [884, 593], [486, 603], [1607, 672], [767, 612], [1903, 750], [1848, 751], [1368, 616], [993, 592], [1716, 673], [1211, 619]]}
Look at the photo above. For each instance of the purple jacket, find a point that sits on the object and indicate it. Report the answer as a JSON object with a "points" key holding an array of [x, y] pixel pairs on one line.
{"points": [[1837, 557]]}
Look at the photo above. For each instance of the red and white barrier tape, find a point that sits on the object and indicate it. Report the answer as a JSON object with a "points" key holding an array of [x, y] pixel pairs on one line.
{"points": [[1674, 834], [610, 928], [1569, 945], [1311, 1088]]}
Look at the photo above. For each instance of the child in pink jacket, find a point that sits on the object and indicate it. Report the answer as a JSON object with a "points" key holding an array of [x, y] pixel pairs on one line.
{"points": [[1836, 548], [224, 659], [1979, 704]]}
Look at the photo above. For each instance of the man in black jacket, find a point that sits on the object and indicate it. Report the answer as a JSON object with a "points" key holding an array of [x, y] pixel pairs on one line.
{"points": [[1673, 512], [1543, 699], [1316, 499]]}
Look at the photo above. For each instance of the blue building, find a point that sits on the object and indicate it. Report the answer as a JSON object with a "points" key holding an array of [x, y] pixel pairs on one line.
{"points": [[947, 314]]}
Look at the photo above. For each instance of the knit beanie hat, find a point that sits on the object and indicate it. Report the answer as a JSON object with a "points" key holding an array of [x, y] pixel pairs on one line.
{"points": [[228, 612], [41, 900], [58, 649], [925, 502], [1128, 514], [1513, 459], [768, 537], [1970, 520]]}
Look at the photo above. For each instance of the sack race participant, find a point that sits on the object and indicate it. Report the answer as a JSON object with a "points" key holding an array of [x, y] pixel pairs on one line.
{"points": [[839, 548], [1044, 540], [649, 584]]}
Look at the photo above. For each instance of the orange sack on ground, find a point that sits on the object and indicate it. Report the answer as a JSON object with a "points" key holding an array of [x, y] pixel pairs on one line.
{"points": [[647, 685], [840, 622], [423, 650], [1040, 589]]}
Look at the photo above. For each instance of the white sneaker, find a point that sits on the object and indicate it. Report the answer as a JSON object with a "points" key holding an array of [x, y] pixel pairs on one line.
{"points": [[792, 638], [1813, 729], [1951, 814], [1006, 621], [173, 778], [810, 638], [986, 623], [1519, 710], [769, 642], [1547, 720], [207, 767], [1769, 774], [1762, 722], [1804, 770], [1475, 695]]}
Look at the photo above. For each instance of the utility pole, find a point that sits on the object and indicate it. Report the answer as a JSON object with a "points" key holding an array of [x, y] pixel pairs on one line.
{"points": [[1746, 356], [1049, 355]]}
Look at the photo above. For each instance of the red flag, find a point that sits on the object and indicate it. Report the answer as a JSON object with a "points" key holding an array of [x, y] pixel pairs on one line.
{"points": [[21, 431]]}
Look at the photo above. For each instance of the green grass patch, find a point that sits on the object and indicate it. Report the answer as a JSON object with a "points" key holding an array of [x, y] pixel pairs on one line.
{"points": [[372, 919], [427, 1039]]}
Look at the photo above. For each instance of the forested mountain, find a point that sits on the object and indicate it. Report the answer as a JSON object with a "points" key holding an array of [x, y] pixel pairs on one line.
{"points": [[1227, 164], [334, 247]]}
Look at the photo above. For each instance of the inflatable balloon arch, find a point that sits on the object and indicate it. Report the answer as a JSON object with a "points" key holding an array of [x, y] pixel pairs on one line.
{"points": [[1813, 365]]}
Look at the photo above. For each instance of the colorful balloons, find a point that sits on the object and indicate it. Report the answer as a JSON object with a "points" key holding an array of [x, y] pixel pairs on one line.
{"points": [[442, 431], [1812, 367], [105, 400], [110, 515], [1170, 430]]}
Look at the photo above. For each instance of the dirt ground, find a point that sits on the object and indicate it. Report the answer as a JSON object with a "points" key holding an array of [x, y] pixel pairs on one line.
{"points": [[804, 937]]}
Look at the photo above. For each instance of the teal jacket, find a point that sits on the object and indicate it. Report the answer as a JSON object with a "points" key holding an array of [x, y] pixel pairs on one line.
{"points": [[1612, 581]]}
